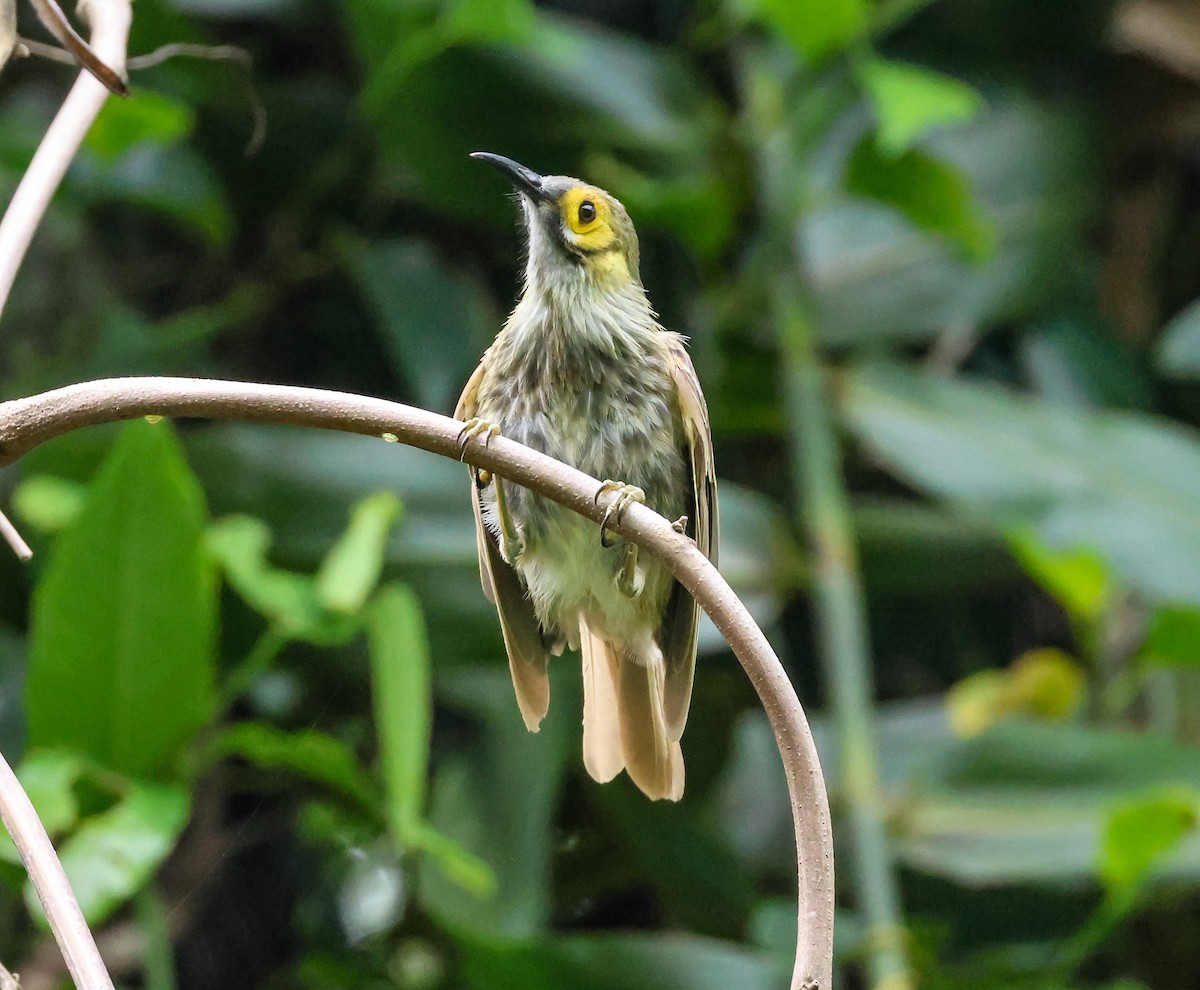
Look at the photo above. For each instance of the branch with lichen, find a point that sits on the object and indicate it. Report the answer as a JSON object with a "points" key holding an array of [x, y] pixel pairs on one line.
{"points": [[29, 422]]}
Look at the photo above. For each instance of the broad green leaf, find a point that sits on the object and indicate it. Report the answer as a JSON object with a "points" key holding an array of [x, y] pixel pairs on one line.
{"points": [[314, 755], [151, 117], [910, 100], [351, 569], [124, 619], [400, 690], [1141, 831], [289, 601], [488, 20], [931, 193], [1179, 347], [1078, 579], [876, 276], [1023, 803], [113, 854], [48, 503], [815, 28], [1119, 485]]}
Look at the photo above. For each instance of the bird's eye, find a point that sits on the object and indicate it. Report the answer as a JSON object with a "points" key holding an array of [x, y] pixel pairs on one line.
{"points": [[587, 212]]}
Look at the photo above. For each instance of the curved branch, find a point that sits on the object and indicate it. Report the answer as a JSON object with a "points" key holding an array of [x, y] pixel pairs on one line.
{"points": [[26, 423], [53, 890], [110, 20]]}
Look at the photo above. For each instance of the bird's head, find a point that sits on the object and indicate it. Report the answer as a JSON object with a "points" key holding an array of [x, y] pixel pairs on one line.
{"points": [[577, 232]]}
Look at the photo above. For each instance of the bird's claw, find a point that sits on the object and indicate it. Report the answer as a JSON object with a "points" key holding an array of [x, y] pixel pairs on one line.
{"points": [[473, 428], [626, 495], [680, 524]]}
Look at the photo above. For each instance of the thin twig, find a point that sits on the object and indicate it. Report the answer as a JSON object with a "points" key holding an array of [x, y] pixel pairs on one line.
{"points": [[55, 21], [110, 21], [14, 539], [50, 882], [26, 423], [220, 53]]}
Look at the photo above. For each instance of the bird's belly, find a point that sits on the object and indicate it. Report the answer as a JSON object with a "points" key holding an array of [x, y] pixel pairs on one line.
{"points": [[632, 438]]}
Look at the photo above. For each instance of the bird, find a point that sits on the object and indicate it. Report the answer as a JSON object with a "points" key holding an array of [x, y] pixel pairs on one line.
{"points": [[583, 371]]}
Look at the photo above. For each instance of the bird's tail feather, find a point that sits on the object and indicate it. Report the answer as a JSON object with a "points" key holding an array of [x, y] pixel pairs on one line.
{"points": [[624, 722], [602, 753]]}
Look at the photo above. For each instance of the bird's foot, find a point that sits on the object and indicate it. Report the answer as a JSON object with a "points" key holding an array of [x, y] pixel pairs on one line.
{"points": [[473, 428], [626, 494], [680, 524]]}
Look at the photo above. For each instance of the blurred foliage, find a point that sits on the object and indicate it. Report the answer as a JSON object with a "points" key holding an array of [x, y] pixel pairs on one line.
{"points": [[250, 680]]}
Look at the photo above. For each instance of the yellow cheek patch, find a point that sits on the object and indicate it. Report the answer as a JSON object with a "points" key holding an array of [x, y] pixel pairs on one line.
{"points": [[594, 233], [611, 266]]}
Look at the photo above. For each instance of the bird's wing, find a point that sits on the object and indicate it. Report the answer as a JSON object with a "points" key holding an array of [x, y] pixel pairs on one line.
{"points": [[682, 618], [527, 661]]}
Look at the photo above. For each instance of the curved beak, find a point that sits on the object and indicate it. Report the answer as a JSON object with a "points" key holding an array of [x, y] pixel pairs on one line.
{"points": [[525, 179]]}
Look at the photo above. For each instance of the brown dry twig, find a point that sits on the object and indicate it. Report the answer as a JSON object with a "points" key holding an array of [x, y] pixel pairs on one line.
{"points": [[26, 423]]}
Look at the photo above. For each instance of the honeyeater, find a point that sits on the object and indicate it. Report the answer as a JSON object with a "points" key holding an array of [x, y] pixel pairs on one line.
{"points": [[583, 372]]}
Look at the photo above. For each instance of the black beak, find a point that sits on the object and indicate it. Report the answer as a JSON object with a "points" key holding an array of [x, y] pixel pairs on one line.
{"points": [[525, 179]]}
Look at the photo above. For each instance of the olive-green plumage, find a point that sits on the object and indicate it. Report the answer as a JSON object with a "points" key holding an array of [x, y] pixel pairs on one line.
{"points": [[582, 371]]}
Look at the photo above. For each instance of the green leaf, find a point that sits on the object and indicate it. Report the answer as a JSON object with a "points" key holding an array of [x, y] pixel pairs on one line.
{"points": [[1045, 683], [1141, 831], [401, 694], [931, 193], [400, 687], [1078, 579], [815, 28], [48, 503], [150, 117], [352, 567], [1120, 486], [1022, 804], [876, 276], [910, 100], [289, 601], [113, 854], [1179, 347], [1173, 637], [124, 620], [314, 755]]}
